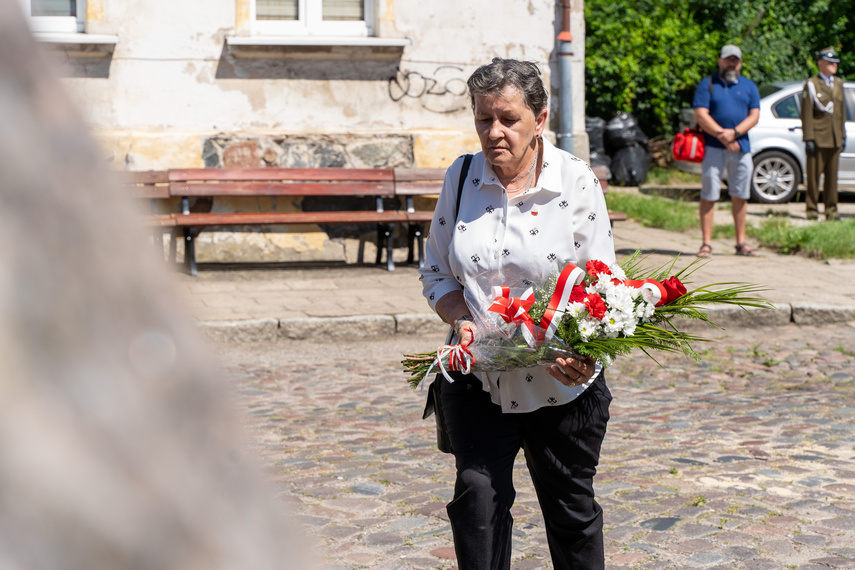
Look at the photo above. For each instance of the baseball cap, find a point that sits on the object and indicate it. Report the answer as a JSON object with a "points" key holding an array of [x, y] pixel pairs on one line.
{"points": [[828, 54], [730, 50]]}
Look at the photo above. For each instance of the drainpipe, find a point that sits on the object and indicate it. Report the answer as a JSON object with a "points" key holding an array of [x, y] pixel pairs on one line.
{"points": [[565, 103]]}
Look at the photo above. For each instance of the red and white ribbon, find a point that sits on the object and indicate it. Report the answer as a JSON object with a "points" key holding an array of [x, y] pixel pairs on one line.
{"points": [[658, 293], [570, 276], [515, 310], [460, 359]]}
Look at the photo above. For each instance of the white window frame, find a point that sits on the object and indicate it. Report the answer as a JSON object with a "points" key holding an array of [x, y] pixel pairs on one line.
{"points": [[57, 24], [311, 23]]}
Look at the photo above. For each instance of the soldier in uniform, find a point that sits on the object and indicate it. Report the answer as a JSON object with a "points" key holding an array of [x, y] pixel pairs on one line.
{"points": [[823, 127]]}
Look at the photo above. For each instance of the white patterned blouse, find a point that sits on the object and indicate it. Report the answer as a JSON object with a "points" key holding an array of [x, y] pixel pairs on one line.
{"points": [[562, 220]]}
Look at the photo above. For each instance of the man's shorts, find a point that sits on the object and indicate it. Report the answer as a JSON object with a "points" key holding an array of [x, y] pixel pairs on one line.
{"points": [[739, 167]]}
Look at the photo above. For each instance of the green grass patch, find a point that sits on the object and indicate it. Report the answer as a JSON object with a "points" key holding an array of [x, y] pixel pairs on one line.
{"points": [[663, 213], [833, 240], [669, 176], [830, 240], [655, 211]]}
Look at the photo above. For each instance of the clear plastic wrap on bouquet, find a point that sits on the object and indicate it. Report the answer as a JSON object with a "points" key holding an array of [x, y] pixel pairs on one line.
{"points": [[600, 312], [507, 337], [496, 353]]}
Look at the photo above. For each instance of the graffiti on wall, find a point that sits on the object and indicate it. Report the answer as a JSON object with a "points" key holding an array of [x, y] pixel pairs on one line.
{"points": [[439, 91]]}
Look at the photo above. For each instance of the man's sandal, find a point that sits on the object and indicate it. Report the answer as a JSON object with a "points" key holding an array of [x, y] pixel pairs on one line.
{"points": [[745, 250], [705, 251]]}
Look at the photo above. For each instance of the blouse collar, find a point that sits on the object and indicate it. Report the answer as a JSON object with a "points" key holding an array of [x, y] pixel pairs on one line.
{"points": [[550, 177]]}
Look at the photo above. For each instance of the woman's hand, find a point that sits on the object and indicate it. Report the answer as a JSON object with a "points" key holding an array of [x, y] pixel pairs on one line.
{"points": [[572, 371], [466, 333]]}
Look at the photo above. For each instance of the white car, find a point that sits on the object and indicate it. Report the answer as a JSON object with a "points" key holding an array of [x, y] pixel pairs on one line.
{"points": [[777, 146]]}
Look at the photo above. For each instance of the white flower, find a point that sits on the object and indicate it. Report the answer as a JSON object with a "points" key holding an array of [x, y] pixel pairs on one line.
{"points": [[629, 327], [575, 309], [619, 297], [588, 328], [617, 271], [644, 311], [612, 324]]}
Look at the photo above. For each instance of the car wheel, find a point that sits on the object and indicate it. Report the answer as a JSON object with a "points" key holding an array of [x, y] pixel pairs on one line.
{"points": [[775, 178]]}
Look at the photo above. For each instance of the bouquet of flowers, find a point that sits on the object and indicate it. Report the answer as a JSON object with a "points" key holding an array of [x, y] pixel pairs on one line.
{"points": [[601, 313]]}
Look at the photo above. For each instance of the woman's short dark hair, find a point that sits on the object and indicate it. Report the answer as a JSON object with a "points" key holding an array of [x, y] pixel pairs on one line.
{"points": [[493, 78]]}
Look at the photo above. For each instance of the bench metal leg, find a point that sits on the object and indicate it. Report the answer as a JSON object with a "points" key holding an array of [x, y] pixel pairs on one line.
{"points": [[190, 251], [173, 245], [385, 241], [158, 241], [390, 242], [381, 233], [416, 235]]}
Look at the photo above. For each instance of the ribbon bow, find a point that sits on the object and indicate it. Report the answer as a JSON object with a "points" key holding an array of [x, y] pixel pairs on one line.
{"points": [[658, 293], [459, 359], [512, 309], [662, 292]]}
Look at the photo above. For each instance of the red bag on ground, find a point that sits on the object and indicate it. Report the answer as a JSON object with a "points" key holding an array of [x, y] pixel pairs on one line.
{"points": [[688, 145]]}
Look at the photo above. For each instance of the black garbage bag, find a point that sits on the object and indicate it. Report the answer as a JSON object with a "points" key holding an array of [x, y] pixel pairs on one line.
{"points": [[630, 166], [623, 131], [595, 127], [599, 158]]}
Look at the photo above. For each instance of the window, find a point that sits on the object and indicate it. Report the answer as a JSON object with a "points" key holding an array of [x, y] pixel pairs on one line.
{"points": [[849, 92], [313, 17], [67, 16], [787, 108]]}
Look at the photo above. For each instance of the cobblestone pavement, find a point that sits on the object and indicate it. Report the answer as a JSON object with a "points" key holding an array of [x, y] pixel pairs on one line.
{"points": [[743, 461]]}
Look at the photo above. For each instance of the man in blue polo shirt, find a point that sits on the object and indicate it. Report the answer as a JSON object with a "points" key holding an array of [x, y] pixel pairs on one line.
{"points": [[726, 106]]}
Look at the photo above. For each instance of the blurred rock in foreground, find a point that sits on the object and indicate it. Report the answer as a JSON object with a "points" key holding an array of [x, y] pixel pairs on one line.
{"points": [[118, 448]]}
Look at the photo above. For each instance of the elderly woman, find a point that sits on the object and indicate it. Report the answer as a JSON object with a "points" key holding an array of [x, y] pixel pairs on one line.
{"points": [[526, 208]]}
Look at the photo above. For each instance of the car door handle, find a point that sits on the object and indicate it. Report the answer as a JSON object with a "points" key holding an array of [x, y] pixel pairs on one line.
{"points": [[795, 128]]}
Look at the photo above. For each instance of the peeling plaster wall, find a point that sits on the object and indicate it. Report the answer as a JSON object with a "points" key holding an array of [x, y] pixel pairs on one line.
{"points": [[172, 76], [173, 94]]}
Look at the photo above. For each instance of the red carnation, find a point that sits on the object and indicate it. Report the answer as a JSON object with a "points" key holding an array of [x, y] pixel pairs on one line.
{"points": [[595, 268], [577, 294], [596, 306], [674, 288]]}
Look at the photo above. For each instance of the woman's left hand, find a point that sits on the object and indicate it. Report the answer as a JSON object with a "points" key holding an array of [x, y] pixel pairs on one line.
{"points": [[572, 371]]}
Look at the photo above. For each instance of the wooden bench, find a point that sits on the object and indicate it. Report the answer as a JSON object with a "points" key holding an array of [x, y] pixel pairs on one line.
{"points": [[411, 183], [415, 189], [426, 182], [153, 186], [331, 182]]}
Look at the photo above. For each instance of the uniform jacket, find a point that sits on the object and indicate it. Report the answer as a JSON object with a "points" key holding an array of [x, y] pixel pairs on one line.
{"points": [[827, 130]]}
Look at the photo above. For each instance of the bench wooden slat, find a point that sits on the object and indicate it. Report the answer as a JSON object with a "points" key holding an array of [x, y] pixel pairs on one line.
{"points": [[154, 192], [418, 188], [143, 176], [282, 189], [419, 217], [160, 220], [253, 218], [273, 174], [144, 183], [413, 174]]}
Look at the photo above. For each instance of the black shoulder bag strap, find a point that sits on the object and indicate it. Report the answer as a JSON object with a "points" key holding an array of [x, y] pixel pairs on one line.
{"points": [[467, 160], [432, 405]]}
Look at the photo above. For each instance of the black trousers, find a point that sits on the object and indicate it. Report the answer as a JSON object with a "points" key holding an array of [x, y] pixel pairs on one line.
{"points": [[562, 449]]}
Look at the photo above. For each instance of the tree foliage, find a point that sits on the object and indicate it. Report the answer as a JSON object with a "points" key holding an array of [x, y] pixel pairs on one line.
{"points": [[646, 57]]}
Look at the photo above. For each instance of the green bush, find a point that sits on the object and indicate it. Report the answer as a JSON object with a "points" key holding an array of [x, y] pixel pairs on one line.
{"points": [[647, 57]]}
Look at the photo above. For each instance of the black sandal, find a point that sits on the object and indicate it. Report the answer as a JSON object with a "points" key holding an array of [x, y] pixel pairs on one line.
{"points": [[705, 251], [745, 250]]}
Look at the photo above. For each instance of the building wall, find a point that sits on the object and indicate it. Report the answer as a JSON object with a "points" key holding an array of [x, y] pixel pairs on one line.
{"points": [[175, 93]]}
